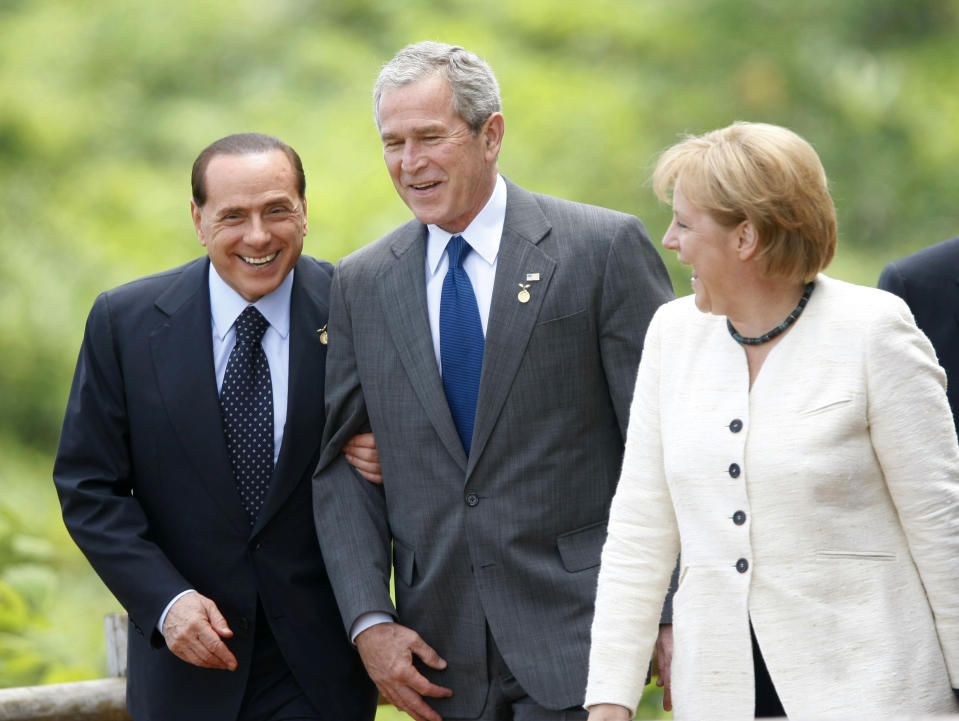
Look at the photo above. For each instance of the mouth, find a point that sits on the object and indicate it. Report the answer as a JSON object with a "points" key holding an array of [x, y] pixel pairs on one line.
{"points": [[259, 262], [424, 186]]}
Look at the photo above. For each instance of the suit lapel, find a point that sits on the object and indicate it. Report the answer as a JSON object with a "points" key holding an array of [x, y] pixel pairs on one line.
{"points": [[511, 322], [404, 306], [182, 350], [305, 411]]}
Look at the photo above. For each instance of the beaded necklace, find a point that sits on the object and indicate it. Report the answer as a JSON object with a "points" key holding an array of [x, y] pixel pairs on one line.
{"points": [[779, 329]]}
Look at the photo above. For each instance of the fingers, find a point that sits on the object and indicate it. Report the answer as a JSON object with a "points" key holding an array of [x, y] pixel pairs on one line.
{"points": [[192, 630], [361, 453], [387, 651]]}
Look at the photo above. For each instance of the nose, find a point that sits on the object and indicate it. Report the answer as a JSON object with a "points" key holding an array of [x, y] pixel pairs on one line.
{"points": [[413, 159], [257, 232], [670, 241]]}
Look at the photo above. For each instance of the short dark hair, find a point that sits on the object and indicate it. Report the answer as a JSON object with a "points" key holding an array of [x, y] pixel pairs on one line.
{"points": [[242, 144]]}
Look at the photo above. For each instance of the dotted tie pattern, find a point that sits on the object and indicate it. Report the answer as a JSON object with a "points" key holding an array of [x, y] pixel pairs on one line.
{"points": [[461, 341], [246, 402]]}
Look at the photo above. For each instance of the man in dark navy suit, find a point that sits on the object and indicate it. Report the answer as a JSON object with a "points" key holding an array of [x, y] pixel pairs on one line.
{"points": [[928, 281], [231, 612]]}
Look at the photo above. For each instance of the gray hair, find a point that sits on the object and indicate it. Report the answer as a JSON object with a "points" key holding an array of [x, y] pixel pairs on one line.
{"points": [[475, 90]]}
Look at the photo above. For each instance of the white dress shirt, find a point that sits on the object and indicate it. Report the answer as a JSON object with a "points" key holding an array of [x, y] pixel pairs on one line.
{"points": [[226, 305], [483, 235]]}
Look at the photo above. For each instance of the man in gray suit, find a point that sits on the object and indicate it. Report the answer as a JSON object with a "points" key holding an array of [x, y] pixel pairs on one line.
{"points": [[498, 385]]}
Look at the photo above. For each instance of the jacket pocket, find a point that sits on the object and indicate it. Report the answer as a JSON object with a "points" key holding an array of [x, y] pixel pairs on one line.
{"points": [[403, 561], [582, 548], [826, 407], [855, 556]]}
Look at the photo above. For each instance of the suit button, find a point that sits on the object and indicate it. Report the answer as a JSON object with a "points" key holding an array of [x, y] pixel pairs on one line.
{"points": [[734, 470], [472, 499], [735, 425], [244, 624], [742, 565], [739, 518]]}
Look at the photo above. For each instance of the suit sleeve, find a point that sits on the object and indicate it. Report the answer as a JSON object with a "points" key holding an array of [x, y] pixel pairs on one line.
{"points": [[350, 512], [635, 284], [914, 439], [93, 476]]}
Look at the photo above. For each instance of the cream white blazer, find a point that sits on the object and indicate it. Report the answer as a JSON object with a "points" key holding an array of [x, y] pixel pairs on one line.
{"points": [[823, 505]]}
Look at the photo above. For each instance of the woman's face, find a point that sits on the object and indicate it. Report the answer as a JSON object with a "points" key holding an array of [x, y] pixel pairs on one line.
{"points": [[711, 250]]}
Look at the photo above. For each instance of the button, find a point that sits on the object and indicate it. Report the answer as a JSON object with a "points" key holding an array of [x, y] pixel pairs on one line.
{"points": [[735, 425], [742, 565], [739, 518], [472, 499], [244, 624], [734, 470]]}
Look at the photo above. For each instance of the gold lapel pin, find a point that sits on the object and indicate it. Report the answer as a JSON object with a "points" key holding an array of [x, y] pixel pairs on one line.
{"points": [[324, 336], [523, 295]]}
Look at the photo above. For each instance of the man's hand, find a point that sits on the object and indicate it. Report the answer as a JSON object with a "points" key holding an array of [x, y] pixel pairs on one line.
{"points": [[360, 452], [193, 628], [664, 662], [387, 651]]}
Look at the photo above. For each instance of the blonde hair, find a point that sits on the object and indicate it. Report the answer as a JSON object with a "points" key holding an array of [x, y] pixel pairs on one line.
{"points": [[765, 174]]}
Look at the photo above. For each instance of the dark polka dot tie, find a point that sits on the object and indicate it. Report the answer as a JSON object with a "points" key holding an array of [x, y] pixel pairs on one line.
{"points": [[246, 402]]}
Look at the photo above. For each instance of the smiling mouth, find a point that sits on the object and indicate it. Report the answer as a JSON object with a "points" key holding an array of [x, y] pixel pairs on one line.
{"points": [[425, 186], [261, 261]]}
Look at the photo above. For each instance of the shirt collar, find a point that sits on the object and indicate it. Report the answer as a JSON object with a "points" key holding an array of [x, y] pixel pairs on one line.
{"points": [[483, 234], [226, 305]]}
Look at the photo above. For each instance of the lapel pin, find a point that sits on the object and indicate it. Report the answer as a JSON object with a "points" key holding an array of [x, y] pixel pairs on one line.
{"points": [[532, 277], [324, 336], [523, 295]]}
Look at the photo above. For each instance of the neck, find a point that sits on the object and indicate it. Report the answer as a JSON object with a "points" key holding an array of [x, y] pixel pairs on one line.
{"points": [[764, 304]]}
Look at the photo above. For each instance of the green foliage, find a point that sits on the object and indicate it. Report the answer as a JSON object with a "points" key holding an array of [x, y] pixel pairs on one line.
{"points": [[103, 107]]}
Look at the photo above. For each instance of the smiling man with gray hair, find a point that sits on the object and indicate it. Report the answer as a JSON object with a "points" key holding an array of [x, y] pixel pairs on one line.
{"points": [[492, 345]]}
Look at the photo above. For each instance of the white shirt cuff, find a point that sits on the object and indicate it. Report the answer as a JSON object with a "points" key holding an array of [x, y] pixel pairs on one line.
{"points": [[366, 620], [166, 610]]}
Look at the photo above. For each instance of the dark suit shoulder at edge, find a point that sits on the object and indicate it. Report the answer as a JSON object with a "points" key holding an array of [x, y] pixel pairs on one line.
{"points": [[940, 258]]}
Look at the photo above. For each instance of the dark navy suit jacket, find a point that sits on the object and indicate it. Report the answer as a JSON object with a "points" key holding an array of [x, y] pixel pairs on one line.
{"points": [[147, 493], [928, 281]]}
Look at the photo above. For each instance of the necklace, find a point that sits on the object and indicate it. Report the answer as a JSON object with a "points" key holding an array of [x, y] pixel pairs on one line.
{"points": [[779, 329]]}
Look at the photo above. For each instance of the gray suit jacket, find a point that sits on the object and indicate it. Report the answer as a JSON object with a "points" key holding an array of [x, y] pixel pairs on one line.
{"points": [[509, 538]]}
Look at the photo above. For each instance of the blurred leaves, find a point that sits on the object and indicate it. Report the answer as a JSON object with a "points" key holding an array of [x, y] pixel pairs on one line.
{"points": [[104, 105]]}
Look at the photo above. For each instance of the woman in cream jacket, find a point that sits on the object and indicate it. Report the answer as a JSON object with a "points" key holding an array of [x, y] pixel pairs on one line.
{"points": [[790, 435]]}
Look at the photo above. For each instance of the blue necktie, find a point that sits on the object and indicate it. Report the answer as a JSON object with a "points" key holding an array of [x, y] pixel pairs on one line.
{"points": [[461, 341], [246, 402]]}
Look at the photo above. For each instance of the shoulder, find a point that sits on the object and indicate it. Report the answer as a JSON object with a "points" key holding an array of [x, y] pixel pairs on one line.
{"points": [[314, 267], [373, 258], [147, 289], [565, 212], [935, 261], [840, 301]]}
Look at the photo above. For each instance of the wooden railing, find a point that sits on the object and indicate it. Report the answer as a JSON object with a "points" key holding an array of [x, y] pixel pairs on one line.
{"points": [[100, 700]]}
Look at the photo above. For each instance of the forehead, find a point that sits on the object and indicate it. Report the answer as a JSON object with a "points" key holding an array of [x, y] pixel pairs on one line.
{"points": [[428, 101], [244, 178]]}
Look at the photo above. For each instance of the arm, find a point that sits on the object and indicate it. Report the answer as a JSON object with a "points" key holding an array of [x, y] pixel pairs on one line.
{"points": [[353, 530], [93, 477], [635, 284], [914, 439], [639, 554]]}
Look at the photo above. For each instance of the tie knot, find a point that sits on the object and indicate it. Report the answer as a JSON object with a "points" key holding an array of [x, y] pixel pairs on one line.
{"points": [[250, 326], [457, 249]]}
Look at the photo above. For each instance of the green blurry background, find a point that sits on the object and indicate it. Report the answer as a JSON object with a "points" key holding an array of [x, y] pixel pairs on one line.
{"points": [[104, 105]]}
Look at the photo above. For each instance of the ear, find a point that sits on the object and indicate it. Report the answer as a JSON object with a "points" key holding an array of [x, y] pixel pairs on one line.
{"points": [[747, 240], [196, 212], [492, 134], [306, 224]]}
